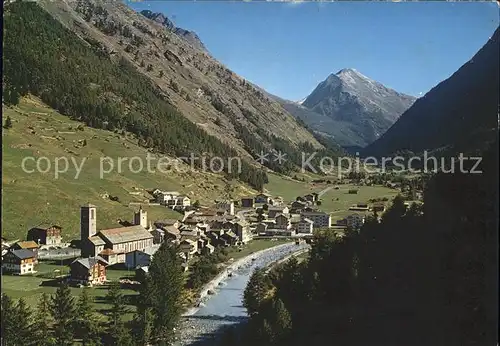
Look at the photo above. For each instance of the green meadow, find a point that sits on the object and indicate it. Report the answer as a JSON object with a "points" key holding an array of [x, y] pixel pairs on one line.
{"points": [[30, 199]]}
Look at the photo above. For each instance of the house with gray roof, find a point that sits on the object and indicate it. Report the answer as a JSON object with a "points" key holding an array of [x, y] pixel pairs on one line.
{"points": [[88, 271], [272, 212], [20, 261]]}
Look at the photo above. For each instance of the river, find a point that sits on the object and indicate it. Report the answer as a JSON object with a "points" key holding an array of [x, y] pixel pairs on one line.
{"points": [[225, 306]]}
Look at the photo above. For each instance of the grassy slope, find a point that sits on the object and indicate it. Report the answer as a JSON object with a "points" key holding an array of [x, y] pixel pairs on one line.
{"points": [[30, 199], [289, 189], [340, 208]]}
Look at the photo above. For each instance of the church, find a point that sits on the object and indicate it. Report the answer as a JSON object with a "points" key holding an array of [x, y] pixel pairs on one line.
{"points": [[112, 244]]}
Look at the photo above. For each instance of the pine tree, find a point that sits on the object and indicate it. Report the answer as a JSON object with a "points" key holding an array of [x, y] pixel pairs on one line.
{"points": [[143, 321], [143, 326], [167, 285], [265, 332], [25, 334], [122, 336], [9, 317], [63, 312], [118, 333], [87, 325], [8, 123], [396, 211], [42, 321], [11, 96], [256, 291], [282, 321]]}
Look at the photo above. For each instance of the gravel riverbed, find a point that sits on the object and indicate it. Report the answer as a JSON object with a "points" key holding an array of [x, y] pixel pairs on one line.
{"points": [[224, 307]]}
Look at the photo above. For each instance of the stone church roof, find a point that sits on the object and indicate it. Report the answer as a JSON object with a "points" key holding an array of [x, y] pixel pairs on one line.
{"points": [[125, 234]]}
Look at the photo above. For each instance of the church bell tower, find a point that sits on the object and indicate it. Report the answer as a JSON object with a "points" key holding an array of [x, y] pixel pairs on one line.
{"points": [[88, 221]]}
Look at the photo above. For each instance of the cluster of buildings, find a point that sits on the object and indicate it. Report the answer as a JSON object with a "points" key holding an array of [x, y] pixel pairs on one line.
{"points": [[378, 207], [302, 216], [262, 198], [171, 199], [21, 257], [357, 220], [274, 218], [199, 232]]}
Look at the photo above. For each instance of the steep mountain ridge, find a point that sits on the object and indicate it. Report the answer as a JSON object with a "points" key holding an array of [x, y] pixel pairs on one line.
{"points": [[187, 35], [459, 114], [218, 101], [365, 108]]}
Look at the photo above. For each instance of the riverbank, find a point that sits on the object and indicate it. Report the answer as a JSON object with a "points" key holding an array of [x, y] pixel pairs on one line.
{"points": [[224, 307], [283, 260], [214, 283]]}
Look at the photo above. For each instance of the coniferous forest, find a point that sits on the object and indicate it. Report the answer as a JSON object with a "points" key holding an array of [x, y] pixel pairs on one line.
{"points": [[78, 79], [422, 275]]}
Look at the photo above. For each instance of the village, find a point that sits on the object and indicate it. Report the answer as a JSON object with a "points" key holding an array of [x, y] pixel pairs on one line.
{"points": [[199, 231]]}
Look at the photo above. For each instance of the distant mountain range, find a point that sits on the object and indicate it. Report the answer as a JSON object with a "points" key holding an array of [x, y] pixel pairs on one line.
{"points": [[460, 114], [351, 108]]}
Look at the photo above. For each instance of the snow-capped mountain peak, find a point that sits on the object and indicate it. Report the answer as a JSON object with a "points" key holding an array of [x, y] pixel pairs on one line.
{"points": [[368, 107]]}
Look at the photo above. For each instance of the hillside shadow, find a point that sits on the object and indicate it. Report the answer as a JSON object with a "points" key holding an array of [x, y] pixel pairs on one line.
{"points": [[52, 282], [213, 338], [235, 319]]}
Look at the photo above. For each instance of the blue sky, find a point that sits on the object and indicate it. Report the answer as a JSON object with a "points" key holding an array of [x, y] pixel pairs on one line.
{"points": [[288, 48]]}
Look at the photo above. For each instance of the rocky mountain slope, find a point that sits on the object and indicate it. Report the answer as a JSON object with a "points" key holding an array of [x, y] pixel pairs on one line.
{"points": [[361, 108], [189, 36], [199, 87], [459, 114], [337, 132]]}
